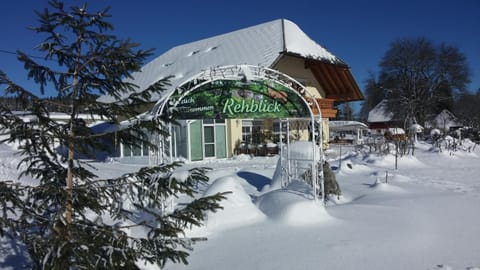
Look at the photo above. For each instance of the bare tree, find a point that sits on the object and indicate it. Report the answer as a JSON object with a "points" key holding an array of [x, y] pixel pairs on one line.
{"points": [[417, 75]]}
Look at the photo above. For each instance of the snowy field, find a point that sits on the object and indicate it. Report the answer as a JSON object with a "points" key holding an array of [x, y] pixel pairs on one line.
{"points": [[426, 215]]}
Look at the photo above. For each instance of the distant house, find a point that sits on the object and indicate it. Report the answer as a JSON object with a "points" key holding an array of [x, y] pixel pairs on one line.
{"points": [[380, 119], [347, 131], [444, 121], [278, 45]]}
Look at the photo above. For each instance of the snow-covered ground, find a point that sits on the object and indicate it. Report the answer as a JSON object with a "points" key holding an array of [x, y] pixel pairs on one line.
{"points": [[424, 215]]}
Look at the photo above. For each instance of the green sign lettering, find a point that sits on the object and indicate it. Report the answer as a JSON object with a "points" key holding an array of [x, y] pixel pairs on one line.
{"points": [[231, 106], [237, 99]]}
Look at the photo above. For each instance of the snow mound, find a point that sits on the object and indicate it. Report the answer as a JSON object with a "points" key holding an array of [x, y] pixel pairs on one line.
{"points": [[400, 178], [448, 267], [348, 167], [291, 207], [444, 267], [333, 199], [379, 185], [242, 157], [238, 208], [388, 161], [462, 153], [422, 145], [180, 176]]}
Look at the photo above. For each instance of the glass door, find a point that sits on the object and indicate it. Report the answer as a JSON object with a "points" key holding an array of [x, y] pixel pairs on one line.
{"points": [[209, 141]]}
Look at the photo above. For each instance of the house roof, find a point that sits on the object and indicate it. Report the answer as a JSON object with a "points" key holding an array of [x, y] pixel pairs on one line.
{"points": [[346, 125], [445, 119], [380, 113], [260, 45]]}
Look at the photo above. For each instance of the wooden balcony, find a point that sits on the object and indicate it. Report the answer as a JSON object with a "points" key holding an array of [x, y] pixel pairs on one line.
{"points": [[326, 106]]}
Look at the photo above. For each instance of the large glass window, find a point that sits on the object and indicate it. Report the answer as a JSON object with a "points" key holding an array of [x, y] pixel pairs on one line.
{"points": [[196, 149], [220, 141], [136, 150]]}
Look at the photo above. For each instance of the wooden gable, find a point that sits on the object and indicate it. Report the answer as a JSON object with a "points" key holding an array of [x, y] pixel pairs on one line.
{"points": [[336, 80]]}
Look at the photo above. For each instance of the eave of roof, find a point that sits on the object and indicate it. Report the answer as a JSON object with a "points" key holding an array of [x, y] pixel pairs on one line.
{"points": [[335, 79]]}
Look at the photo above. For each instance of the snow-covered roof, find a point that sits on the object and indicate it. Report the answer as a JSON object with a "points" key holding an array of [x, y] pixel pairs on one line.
{"points": [[416, 128], [257, 45], [28, 116], [380, 113], [445, 119], [346, 125]]}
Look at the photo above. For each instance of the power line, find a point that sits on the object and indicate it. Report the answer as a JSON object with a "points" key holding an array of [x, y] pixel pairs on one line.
{"points": [[14, 53]]}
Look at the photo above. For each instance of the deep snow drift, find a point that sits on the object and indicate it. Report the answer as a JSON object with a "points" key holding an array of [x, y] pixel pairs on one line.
{"points": [[424, 215]]}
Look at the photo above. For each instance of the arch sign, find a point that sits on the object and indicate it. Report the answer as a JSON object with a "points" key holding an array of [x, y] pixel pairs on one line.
{"points": [[245, 92], [249, 92]]}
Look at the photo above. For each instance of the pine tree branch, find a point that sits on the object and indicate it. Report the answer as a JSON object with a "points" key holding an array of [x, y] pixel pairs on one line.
{"points": [[13, 88]]}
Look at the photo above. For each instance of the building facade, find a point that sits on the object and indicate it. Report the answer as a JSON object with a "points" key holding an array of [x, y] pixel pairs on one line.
{"points": [[278, 45]]}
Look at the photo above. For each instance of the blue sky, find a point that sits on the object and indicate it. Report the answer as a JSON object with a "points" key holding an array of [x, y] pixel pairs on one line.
{"points": [[359, 32]]}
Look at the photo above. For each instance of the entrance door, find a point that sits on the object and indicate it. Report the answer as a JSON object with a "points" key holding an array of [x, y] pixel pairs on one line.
{"points": [[209, 141]]}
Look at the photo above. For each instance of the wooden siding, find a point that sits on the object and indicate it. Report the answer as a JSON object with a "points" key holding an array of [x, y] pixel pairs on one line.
{"points": [[327, 107]]}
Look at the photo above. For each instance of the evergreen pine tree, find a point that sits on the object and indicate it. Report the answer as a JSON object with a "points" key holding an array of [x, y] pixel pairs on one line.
{"points": [[73, 219]]}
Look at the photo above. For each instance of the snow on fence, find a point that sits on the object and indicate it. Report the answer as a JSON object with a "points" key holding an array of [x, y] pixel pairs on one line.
{"points": [[297, 162]]}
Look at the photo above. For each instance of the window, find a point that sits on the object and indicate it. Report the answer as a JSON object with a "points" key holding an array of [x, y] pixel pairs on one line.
{"points": [[250, 129], [246, 133], [135, 150], [145, 149], [276, 131], [127, 150]]}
